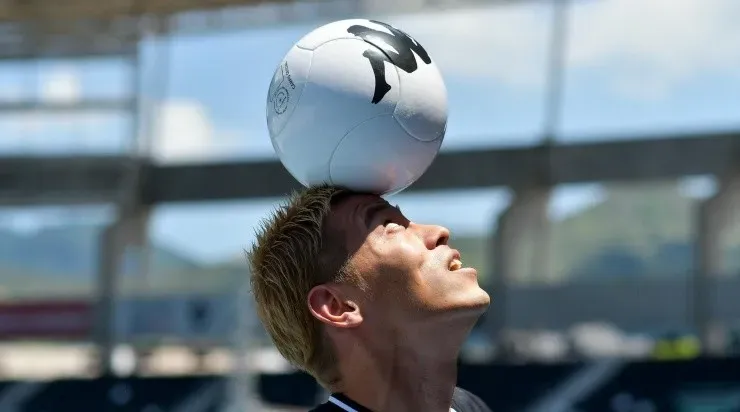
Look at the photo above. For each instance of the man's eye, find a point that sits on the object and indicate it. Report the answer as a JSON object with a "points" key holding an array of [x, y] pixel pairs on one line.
{"points": [[392, 226]]}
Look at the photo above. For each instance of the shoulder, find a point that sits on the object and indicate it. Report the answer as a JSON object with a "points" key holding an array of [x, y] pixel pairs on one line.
{"points": [[464, 401]]}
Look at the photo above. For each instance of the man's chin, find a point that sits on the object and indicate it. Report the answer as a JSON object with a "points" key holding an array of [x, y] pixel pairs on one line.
{"points": [[481, 304], [479, 298], [471, 306]]}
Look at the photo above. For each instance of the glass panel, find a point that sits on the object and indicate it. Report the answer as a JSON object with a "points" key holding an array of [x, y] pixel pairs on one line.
{"points": [[199, 247], [49, 133], [222, 80], [634, 68], [48, 252], [619, 257], [66, 80], [15, 82], [622, 231], [37, 130]]}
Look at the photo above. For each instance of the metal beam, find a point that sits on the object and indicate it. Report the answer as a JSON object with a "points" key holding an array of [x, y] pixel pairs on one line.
{"points": [[83, 28], [81, 38], [76, 10], [69, 180], [612, 161], [53, 12], [26, 47], [92, 179], [96, 105]]}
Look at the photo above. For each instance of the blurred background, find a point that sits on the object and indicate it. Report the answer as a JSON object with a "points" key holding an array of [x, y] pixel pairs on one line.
{"points": [[591, 171]]}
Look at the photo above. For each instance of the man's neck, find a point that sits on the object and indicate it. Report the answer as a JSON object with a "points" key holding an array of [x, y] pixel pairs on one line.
{"points": [[402, 376]]}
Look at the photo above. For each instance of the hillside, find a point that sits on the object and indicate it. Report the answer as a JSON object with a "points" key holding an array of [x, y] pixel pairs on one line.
{"points": [[644, 230], [636, 231], [64, 260]]}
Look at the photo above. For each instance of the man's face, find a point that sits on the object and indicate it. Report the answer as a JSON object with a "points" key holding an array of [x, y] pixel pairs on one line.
{"points": [[412, 273]]}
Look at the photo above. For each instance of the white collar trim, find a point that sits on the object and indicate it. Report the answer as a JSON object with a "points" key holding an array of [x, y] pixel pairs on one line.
{"points": [[348, 408]]}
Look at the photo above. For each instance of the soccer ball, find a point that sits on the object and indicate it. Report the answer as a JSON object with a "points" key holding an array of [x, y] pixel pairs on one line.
{"points": [[357, 103]]}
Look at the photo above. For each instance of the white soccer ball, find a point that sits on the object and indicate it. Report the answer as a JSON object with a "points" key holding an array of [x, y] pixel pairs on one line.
{"points": [[357, 103]]}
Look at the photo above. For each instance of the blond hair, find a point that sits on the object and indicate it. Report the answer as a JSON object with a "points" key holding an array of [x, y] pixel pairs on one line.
{"points": [[294, 252]]}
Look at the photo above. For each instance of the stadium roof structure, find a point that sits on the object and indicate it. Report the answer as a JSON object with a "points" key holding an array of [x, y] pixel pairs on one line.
{"points": [[32, 29], [37, 29], [77, 28]]}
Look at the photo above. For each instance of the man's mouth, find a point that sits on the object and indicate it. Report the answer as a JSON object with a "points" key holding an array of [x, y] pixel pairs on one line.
{"points": [[455, 264]]}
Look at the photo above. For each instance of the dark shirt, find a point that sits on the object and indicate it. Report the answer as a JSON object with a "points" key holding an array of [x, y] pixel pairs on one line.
{"points": [[462, 401]]}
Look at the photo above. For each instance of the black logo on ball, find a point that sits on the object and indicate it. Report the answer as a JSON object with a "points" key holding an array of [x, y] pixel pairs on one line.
{"points": [[397, 49]]}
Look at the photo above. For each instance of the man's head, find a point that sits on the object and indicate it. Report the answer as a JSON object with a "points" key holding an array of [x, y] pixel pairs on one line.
{"points": [[332, 261]]}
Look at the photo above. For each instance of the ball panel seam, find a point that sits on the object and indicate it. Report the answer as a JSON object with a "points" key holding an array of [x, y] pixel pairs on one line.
{"points": [[440, 134], [336, 39], [339, 143]]}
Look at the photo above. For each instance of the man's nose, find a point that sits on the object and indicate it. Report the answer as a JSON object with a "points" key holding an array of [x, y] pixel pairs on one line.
{"points": [[433, 235]]}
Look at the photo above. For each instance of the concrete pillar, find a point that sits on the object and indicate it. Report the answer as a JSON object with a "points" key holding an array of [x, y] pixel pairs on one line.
{"points": [[714, 217], [519, 251], [128, 233]]}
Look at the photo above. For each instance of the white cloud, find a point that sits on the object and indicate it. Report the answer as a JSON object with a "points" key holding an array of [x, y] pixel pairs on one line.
{"points": [[37, 132], [61, 85], [652, 46], [698, 187], [501, 42], [56, 132], [645, 47], [182, 129], [569, 200], [183, 132]]}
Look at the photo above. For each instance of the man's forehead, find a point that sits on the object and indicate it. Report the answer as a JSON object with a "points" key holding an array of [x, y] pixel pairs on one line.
{"points": [[354, 203]]}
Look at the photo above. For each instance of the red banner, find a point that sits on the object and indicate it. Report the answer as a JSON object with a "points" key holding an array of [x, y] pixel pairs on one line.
{"points": [[46, 320]]}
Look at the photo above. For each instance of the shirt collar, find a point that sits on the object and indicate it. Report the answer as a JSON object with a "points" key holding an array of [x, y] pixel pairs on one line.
{"points": [[348, 405]]}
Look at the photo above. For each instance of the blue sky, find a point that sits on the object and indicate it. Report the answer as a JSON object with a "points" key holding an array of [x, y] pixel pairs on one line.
{"points": [[633, 67]]}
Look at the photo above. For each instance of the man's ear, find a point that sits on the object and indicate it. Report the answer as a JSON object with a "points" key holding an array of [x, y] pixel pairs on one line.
{"points": [[328, 304]]}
